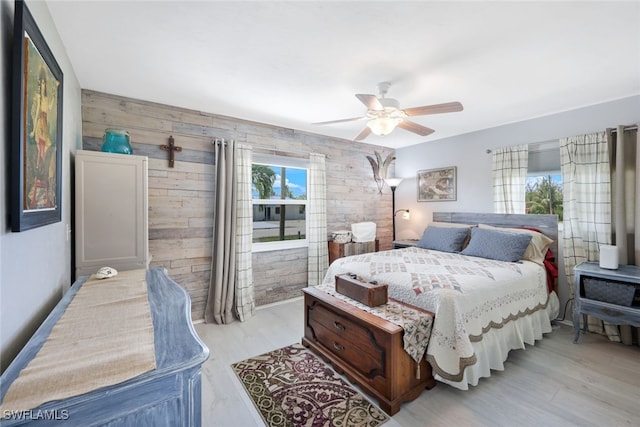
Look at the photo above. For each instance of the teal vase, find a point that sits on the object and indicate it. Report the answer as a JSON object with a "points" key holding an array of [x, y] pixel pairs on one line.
{"points": [[116, 141]]}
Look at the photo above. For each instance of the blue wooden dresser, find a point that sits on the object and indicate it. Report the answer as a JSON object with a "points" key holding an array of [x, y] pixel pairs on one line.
{"points": [[610, 295], [170, 395]]}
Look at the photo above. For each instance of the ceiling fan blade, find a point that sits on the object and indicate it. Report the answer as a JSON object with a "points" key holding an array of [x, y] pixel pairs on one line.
{"points": [[415, 128], [338, 121], [448, 107], [362, 135], [371, 101]]}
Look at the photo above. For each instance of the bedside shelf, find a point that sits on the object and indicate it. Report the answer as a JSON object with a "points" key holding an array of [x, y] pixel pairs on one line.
{"points": [[606, 300]]}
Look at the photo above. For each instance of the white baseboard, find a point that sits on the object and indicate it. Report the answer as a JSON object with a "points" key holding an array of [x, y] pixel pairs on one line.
{"points": [[198, 321], [564, 322], [278, 303]]}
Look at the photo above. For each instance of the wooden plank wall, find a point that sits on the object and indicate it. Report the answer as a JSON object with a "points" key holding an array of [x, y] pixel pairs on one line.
{"points": [[181, 199]]}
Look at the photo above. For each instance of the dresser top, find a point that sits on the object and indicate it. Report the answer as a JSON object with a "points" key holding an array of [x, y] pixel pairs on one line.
{"points": [[177, 345]]}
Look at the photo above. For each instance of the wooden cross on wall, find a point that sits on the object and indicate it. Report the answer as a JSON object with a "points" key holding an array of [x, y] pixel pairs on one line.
{"points": [[171, 148]]}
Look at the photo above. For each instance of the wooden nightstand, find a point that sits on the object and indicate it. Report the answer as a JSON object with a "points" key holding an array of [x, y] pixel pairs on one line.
{"points": [[339, 250], [397, 244], [610, 295]]}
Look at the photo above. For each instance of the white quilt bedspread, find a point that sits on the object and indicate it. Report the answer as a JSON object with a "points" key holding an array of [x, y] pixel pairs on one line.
{"points": [[469, 296]]}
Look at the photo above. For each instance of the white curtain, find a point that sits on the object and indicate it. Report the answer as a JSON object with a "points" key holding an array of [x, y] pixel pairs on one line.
{"points": [[231, 284], [317, 218], [624, 152], [584, 161], [245, 303], [586, 188], [509, 170]]}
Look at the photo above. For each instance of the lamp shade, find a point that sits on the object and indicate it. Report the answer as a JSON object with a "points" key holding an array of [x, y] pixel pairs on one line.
{"points": [[405, 213], [393, 182]]}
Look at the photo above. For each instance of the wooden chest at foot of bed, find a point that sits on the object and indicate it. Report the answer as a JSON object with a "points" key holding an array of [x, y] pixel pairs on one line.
{"points": [[364, 347], [369, 293]]}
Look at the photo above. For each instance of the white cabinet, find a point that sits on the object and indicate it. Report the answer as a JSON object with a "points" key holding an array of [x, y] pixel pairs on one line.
{"points": [[111, 217]]}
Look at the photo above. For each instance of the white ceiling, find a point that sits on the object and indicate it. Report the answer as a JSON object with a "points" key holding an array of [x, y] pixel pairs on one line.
{"points": [[294, 63]]}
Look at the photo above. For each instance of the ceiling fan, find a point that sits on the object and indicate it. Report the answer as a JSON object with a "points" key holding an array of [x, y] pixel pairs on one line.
{"points": [[385, 115]]}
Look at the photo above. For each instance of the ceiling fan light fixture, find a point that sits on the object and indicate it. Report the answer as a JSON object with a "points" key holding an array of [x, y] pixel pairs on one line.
{"points": [[384, 114], [382, 126]]}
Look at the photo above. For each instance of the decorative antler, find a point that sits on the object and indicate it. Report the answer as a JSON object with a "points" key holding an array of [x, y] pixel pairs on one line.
{"points": [[380, 168]]}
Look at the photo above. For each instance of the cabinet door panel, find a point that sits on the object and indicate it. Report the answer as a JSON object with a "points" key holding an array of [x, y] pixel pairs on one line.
{"points": [[111, 211]]}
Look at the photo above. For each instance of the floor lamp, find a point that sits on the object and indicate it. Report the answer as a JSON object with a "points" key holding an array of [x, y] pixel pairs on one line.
{"points": [[393, 184]]}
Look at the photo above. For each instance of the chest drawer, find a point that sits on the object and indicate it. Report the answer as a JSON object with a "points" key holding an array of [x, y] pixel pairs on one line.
{"points": [[332, 328], [369, 365]]}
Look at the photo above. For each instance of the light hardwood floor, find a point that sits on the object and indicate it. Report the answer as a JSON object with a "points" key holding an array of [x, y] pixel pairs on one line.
{"points": [[554, 383]]}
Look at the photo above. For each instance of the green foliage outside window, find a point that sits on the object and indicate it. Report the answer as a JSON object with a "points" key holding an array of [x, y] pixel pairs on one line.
{"points": [[263, 178], [544, 196]]}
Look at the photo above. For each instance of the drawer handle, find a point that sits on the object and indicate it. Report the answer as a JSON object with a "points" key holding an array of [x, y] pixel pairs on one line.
{"points": [[338, 346], [339, 325]]}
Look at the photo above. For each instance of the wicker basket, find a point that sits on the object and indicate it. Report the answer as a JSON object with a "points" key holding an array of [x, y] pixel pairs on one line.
{"points": [[607, 291]]}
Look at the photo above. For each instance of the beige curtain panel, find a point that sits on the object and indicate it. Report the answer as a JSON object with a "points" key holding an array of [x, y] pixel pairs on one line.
{"points": [[509, 171], [231, 293]]}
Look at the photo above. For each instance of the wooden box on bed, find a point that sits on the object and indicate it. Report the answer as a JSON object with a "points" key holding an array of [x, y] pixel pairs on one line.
{"points": [[368, 293], [366, 348]]}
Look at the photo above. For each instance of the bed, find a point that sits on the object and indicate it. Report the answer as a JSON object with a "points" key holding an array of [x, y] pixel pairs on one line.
{"points": [[482, 307]]}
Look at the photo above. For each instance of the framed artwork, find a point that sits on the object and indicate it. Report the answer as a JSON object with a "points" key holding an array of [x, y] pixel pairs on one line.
{"points": [[437, 185], [36, 134]]}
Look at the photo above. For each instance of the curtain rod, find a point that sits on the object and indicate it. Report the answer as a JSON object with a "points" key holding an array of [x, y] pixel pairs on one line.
{"points": [[529, 144], [278, 152], [612, 130], [632, 127], [271, 150]]}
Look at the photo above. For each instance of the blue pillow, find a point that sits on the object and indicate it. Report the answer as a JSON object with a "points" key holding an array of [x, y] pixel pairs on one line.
{"points": [[498, 245], [443, 239]]}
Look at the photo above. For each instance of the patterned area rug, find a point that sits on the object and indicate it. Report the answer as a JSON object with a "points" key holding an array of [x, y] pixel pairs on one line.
{"points": [[292, 387]]}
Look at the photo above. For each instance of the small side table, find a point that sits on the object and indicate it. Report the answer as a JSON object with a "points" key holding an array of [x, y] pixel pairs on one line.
{"points": [[614, 295], [339, 250], [397, 244]]}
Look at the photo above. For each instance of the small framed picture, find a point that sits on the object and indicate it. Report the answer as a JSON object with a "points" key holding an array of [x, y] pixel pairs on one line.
{"points": [[437, 185]]}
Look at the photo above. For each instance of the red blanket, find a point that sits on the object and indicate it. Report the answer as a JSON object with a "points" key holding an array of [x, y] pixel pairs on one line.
{"points": [[549, 265], [552, 269]]}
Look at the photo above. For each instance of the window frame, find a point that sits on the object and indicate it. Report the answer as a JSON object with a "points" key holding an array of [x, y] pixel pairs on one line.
{"points": [[286, 162]]}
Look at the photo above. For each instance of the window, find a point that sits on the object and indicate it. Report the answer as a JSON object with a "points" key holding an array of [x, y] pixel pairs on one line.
{"points": [[279, 188], [544, 180]]}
